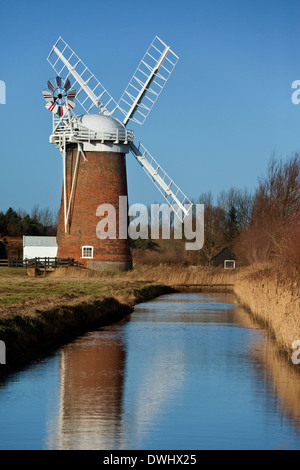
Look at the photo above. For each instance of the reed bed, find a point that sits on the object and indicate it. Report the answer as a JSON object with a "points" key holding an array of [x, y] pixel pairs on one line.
{"points": [[168, 275], [272, 295]]}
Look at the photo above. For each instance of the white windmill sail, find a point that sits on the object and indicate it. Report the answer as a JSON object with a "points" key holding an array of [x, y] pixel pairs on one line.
{"points": [[176, 199], [148, 81], [91, 94]]}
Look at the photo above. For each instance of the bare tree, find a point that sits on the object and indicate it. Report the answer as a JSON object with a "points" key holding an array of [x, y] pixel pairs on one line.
{"points": [[45, 217], [214, 229], [238, 206], [275, 212]]}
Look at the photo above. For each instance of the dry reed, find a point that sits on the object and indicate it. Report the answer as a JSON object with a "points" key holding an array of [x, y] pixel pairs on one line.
{"points": [[269, 291]]}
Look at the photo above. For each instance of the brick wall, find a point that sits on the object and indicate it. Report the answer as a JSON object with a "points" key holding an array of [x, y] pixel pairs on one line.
{"points": [[100, 180]]}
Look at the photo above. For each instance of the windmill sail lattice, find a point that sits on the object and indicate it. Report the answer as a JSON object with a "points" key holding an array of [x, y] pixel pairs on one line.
{"points": [[176, 199], [148, 81], [91, 94]]}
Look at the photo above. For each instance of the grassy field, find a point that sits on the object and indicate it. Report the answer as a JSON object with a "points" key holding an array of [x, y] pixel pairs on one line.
{"points": [[19, 291]]}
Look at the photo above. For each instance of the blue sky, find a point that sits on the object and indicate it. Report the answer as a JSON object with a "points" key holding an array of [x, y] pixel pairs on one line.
{"points": [[226, 108]]}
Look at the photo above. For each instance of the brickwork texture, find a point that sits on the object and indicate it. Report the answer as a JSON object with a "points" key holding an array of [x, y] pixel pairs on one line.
{"points": [[100, 180]]}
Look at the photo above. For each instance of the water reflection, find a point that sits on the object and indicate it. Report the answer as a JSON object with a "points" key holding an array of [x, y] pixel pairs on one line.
{"points": [[91, 387], [186, 371], [281, 376]]}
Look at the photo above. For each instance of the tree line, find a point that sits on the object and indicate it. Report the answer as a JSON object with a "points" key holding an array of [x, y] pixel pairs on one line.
{"points": [[256, 226], [259, 226], [18, 222]]}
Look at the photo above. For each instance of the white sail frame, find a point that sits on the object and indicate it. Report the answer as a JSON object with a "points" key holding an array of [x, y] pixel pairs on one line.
{"points": [[147, 82]]}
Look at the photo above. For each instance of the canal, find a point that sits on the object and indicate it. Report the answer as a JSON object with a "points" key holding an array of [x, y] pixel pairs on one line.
{"points": [[186, 371]]}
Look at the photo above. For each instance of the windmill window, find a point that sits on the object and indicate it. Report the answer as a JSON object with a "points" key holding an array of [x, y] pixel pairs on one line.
{"points": [[87, 252]]}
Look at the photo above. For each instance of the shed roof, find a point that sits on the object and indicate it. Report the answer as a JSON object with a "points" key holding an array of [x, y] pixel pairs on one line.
{"points": [[39, 241]]}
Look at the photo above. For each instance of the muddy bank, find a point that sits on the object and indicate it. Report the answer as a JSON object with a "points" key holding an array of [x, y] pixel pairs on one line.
{"points": [[38, 332]]}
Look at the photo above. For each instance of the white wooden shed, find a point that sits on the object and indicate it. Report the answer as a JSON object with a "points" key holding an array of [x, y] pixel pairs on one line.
{"points": [[39, 247]]}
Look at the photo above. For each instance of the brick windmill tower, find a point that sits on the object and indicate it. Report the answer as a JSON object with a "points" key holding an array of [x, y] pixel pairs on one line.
{"points": [[93, 146]]}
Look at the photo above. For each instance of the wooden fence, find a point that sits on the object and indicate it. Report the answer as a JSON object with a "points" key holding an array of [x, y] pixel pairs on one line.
{"points": [[40, 263]]}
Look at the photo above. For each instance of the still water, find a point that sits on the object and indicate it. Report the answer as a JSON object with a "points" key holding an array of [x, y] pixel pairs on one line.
{"points": [[185, 371]]}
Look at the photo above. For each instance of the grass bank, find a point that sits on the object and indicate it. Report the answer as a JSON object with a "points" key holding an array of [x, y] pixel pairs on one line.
{"points": [[39, 314]]}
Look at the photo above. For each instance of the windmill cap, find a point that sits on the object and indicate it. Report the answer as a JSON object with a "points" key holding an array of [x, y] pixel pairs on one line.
{"points": [[100, 122]]}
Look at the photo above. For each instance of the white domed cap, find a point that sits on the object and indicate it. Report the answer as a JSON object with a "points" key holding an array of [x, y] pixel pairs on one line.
{"points": [[100, 123], [102, 133]]}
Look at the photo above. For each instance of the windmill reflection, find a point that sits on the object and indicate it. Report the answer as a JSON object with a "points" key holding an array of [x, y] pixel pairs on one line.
{"points": [[91, 389]]}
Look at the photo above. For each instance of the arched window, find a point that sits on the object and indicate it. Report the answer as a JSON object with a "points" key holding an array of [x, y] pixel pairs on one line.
{"points": [[87, 252]]}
